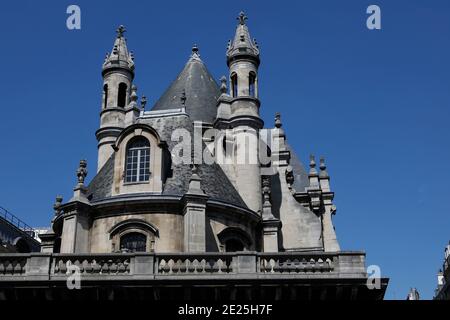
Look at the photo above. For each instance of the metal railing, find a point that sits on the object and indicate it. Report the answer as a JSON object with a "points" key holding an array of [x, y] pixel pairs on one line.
{"points": [[19, 224]]}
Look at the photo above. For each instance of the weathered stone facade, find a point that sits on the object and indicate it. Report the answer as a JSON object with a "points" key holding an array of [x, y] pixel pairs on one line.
{"points": [[268, 222]]}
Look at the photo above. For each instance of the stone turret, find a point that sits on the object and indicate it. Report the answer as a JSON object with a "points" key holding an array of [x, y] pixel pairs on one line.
{"points": [[118, 74], [243, 61]]}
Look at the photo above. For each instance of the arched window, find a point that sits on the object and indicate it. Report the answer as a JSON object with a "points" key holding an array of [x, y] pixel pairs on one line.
{"points": [[234, 85], [234, 245], [137, 160], [122, 95], [133, 242], [234, 239], [105, 96], [21, 245], [251, 84]]}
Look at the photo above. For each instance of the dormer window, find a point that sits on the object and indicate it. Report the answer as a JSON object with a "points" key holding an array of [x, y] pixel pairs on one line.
{"points": [[138, 161]]}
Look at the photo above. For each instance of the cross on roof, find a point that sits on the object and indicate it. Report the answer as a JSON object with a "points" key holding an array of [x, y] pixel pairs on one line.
{"points": [[242, 17], [120, 31]]}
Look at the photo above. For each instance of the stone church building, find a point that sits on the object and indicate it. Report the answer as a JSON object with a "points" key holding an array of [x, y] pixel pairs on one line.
{"points": [[157, 220]]}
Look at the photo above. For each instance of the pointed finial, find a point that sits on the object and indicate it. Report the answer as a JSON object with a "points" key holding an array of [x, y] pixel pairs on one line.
{"points": [[194, 169], [323, 168], [312, 161], [266, 188], [82, 172], [289, 175], [322, 163], [57, 205], [120, 31], [183, 98], [133, 95], [195, 53], [278, 123], [223, 84], [312, 164], [242, 17], [143, 102]]}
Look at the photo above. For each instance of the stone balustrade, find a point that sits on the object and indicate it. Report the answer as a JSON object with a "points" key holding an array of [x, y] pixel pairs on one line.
{"points": [[297, 263], [13, 264], [39, 266], [92, 264], [194, 264]]}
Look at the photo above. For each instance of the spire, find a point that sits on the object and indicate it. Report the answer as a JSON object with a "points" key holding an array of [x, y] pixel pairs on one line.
{"points": [[119, 57], [200, 91], [242, 45]]}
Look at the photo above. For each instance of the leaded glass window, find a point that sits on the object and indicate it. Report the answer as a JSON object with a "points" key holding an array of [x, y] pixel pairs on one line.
{"points": [[133, 242], [138, 161]]}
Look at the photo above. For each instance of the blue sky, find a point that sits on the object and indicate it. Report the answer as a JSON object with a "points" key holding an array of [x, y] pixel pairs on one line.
{"points": [[374, 103]]}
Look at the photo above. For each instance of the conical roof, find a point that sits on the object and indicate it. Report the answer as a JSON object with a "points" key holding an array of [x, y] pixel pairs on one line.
{"points": [[195, 89], [242, 45], [119, 57]]}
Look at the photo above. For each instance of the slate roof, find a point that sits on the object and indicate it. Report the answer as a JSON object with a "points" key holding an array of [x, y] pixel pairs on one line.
{"points": [[301, 180], [200, 88], [100, 186], [214, 181]]}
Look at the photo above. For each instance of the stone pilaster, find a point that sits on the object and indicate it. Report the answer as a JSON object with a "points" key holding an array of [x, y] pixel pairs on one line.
{"points": [[330, 242], [76, 223], [132, 110], [271, 225], [195, 215]]}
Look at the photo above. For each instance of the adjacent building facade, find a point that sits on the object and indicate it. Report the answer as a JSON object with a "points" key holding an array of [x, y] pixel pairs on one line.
{"points": [[15, 235], [442, 291], [194, 198]]}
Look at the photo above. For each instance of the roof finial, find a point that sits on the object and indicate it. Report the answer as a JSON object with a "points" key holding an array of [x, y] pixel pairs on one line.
{"points": [[242, 17], [223, 84], [120, 31], [322, 163], [323, 168], [183, 97], [312, 164], [195, 53], [133, 95], [82, 172], [143, 102], [278, 123], [57, 205]]}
